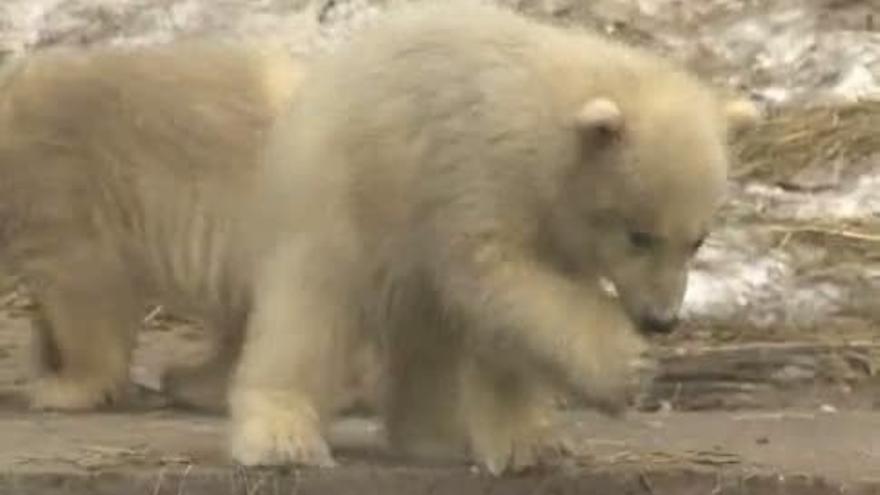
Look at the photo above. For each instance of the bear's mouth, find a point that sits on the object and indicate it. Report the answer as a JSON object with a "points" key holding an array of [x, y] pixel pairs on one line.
{"points": [[645, 325]]}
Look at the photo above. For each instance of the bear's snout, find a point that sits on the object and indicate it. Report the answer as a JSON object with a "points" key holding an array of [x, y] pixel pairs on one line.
{"points": [[658, 324]]}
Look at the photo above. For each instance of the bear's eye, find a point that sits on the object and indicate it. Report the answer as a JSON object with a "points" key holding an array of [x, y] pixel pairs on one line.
{"points": [[641, 239], [698, 244]]}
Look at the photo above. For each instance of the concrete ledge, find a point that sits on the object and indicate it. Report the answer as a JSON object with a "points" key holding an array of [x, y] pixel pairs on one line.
{"points": [[386, 481], [161, 452]]}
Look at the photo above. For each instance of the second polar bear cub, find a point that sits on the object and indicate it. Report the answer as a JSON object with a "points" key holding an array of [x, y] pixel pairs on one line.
{"points": [[122, 173], [455, 182]]}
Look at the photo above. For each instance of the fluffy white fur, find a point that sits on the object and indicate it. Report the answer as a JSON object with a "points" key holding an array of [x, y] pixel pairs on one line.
{"points": [[453, 183], [122, 178]]}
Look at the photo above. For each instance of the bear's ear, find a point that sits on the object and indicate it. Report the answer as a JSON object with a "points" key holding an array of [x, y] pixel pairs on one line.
{"points": [[599, 119], [740, 114]]}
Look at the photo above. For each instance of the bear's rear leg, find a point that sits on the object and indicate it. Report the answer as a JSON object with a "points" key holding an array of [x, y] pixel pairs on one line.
{"points": [[82, 333], [205, 386], [422, 416]]}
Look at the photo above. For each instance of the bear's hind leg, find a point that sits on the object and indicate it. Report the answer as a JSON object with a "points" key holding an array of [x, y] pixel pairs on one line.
{"points": [[205, 386], [83, 333], [422, 415]]}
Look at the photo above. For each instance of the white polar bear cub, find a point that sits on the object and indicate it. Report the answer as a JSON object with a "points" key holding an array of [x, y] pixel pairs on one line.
{"points": [[454, 183]]}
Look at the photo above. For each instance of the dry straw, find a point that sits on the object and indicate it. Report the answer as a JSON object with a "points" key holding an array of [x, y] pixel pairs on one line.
{"points": [[796, 140], [799, 138]]}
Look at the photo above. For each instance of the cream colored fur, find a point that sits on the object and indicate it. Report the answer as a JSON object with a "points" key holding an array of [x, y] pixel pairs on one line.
{"points": [[122, 178], [453, 183]]}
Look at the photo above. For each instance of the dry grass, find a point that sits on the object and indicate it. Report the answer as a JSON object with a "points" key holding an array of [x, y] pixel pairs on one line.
{"points": [[834, 141], [799, 138]]}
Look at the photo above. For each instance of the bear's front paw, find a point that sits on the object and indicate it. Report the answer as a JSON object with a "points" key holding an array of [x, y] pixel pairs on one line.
{"points": [[530, 454], [270, 432], [619, 369], [632, 382]]}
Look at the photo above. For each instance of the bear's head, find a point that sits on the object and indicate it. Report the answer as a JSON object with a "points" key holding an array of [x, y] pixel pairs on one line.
{"points": [[649, 177]]}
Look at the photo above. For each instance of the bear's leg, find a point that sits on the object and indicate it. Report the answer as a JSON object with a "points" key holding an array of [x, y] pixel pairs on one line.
{"points": [[293, 362], [422, 415], [83, 332], [509, 417], [527, 315], [205, 386]]}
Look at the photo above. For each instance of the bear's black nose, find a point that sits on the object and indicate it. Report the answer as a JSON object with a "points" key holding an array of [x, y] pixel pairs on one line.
{"points": [[651, 324]]}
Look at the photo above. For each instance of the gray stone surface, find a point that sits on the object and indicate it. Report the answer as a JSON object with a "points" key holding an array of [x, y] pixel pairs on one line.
{"points": [[796, 452]]}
